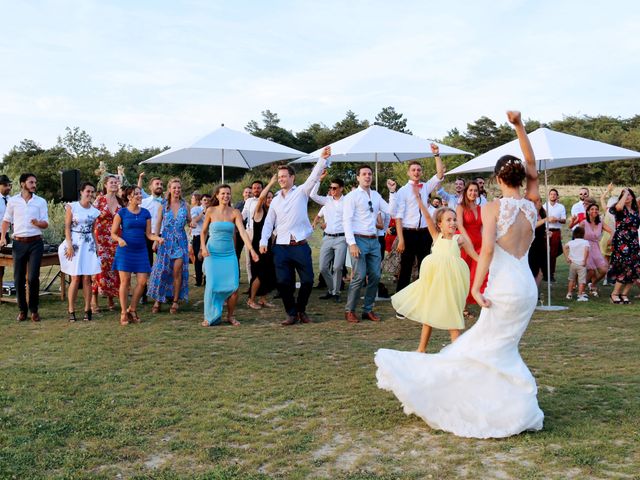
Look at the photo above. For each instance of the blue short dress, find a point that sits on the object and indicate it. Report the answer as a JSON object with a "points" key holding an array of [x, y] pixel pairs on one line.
{"points": [[133, 258]]}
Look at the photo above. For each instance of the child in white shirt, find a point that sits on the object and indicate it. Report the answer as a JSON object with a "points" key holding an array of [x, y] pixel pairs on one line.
{"points": [[576, 252]]}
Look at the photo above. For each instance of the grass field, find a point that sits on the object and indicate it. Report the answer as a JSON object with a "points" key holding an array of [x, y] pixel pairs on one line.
{"points": [[171, 399]]}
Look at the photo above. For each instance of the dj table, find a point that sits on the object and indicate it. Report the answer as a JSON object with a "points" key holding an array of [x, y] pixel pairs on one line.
{"points": [[48, 259]]}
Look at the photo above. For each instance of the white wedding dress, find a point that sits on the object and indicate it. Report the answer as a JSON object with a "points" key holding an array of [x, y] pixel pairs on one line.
{"points": [[479, 386]]}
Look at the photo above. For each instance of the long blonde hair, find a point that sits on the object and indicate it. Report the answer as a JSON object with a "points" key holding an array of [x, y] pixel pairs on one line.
{"points": [[169, 199]]}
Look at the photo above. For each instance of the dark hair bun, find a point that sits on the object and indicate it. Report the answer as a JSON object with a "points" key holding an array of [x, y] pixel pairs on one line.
{"points": [[510, 170]]}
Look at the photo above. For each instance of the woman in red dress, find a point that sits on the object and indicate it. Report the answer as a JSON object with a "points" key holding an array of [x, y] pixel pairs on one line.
{"points": [[470, 225], [106, 282]]}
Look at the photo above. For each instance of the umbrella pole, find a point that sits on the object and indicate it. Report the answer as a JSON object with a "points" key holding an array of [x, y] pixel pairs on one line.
{"points": [[548, 307], [222, 166], [376, 157]]}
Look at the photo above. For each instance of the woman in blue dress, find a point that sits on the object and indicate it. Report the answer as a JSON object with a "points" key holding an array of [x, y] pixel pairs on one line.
{"points": [[131, 253], [170, 272], [220, 261]]}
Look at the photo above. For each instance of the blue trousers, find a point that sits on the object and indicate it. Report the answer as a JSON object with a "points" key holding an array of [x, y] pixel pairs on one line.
{"points": [[288, 260], [365, 267]]}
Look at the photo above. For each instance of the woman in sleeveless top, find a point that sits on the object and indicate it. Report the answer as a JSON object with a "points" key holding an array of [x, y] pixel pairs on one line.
{"points": [[170, 273], [78, 254], [479, 386], [263, 272], [625, 249], [470, 225], [596, 264], [220, 261]]}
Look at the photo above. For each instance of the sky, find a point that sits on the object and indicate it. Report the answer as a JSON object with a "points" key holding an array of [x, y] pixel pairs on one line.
{"points": [[163, 73]]}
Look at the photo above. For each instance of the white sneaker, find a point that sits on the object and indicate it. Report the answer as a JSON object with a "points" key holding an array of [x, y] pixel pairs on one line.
{"points": [[583, 298], [569, 296]]}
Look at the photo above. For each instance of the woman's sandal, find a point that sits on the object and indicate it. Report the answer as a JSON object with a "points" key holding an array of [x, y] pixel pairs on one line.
{"points": [[625, 299], [87, 315], [155, 308], [95, 308], [232, 320], [254, 305], [174, 308], [266, 304], [124, 318], [613, 300], [72, 316], [112, 306], [133, 316]]}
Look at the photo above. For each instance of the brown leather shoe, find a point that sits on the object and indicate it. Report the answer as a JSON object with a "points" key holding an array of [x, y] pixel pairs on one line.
{"points": [[22, 316], [351, 317], [291, 320], [303, 317], [35, 317], [370, 316]]}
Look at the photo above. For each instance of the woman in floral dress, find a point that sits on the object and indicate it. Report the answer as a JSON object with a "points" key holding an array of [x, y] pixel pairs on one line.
{"points": [[106, 282], [170, 272], [624, 268]]}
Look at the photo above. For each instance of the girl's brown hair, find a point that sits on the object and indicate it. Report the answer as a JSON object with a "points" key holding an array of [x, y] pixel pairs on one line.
{"points": [[438, 216]]}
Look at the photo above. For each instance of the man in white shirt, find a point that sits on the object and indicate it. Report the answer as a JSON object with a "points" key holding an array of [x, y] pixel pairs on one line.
{"points": [[333, 251], [453, 200], [414, 240], [482, 194], [248, 210], [556, 216], [153, 203], [197, 220], [28, 214], [360, 217], [289, 220], [5, 190], [578, 209]]}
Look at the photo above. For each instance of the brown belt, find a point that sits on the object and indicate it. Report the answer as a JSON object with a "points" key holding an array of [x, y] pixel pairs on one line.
{"points": [[293, 243], [364, 236], [35, 238]]}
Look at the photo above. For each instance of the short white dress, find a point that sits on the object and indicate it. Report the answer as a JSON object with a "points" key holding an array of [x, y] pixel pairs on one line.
{"points": [[85, 257]]}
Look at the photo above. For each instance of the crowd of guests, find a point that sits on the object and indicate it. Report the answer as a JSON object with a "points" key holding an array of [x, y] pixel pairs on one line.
{"points": [[119, 232]]}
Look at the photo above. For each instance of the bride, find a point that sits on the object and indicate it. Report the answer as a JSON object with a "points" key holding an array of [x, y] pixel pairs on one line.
{"points": [[479, 386]]}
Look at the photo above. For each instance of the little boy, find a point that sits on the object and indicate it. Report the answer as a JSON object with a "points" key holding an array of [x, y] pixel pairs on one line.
{"points": [[576, 252]]}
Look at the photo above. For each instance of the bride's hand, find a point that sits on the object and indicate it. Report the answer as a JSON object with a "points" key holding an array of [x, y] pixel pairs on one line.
{"points": [[480, 300]]}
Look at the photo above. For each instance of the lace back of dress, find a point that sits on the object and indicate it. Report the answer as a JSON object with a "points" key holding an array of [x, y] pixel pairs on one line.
{"points": [[516, 224]]}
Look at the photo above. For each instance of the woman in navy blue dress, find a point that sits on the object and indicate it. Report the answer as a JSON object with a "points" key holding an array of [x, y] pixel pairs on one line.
{"points": [[131, 254]]}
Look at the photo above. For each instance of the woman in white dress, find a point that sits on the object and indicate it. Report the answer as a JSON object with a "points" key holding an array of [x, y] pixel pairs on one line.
{"points": [[78, 254], [479, 386]]}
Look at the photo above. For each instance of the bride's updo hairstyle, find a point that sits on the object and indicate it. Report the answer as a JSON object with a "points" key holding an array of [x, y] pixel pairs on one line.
{"points": [[510, 170]]}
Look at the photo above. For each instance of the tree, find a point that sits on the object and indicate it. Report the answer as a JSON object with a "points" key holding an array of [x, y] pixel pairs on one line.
{"points": [[388, 117]]}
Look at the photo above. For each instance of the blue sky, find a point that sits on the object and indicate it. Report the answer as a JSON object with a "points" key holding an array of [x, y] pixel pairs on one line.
{"points": [[154, 73]]}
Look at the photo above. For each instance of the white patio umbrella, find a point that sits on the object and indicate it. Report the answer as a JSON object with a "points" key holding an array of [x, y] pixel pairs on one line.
{"points": [[552, 150], [380, 144], [226, 147]]}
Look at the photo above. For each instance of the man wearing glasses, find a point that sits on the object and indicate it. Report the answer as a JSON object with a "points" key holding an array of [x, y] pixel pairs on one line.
{"points": [[333, 251], [414, 240], [360, 217], [578, 210]]}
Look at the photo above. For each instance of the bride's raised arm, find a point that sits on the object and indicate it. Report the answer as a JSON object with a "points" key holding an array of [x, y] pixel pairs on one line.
{"points": [[532, 192]]}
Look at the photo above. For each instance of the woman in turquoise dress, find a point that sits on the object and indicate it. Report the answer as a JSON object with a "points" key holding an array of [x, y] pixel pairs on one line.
{"points": [[220, 261], [170, 273]]}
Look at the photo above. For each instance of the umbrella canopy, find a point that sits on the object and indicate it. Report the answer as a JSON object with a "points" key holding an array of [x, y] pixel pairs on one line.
{"points": [[552, 150], [226, 147], [380, 144]]}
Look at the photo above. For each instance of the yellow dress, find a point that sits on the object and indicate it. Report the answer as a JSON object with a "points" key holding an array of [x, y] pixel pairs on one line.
{"points": [[438, 296]]}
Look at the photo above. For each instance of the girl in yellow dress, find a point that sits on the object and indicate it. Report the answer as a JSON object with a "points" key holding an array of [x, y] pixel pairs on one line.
{"points": [[437, 298]]}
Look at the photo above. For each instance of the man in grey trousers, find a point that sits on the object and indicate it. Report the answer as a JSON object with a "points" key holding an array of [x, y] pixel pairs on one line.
{"points": [[333, 251]]}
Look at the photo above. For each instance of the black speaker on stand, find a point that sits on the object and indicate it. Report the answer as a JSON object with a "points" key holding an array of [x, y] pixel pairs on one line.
{"points": [[70, 185]]}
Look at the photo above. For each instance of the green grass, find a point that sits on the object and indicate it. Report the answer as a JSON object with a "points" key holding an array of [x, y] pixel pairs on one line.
{"points": [[170, 399]]}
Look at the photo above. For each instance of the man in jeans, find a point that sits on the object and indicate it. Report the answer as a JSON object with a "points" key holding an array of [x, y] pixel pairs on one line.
{"points": [[360, 219], [28, 214]]}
